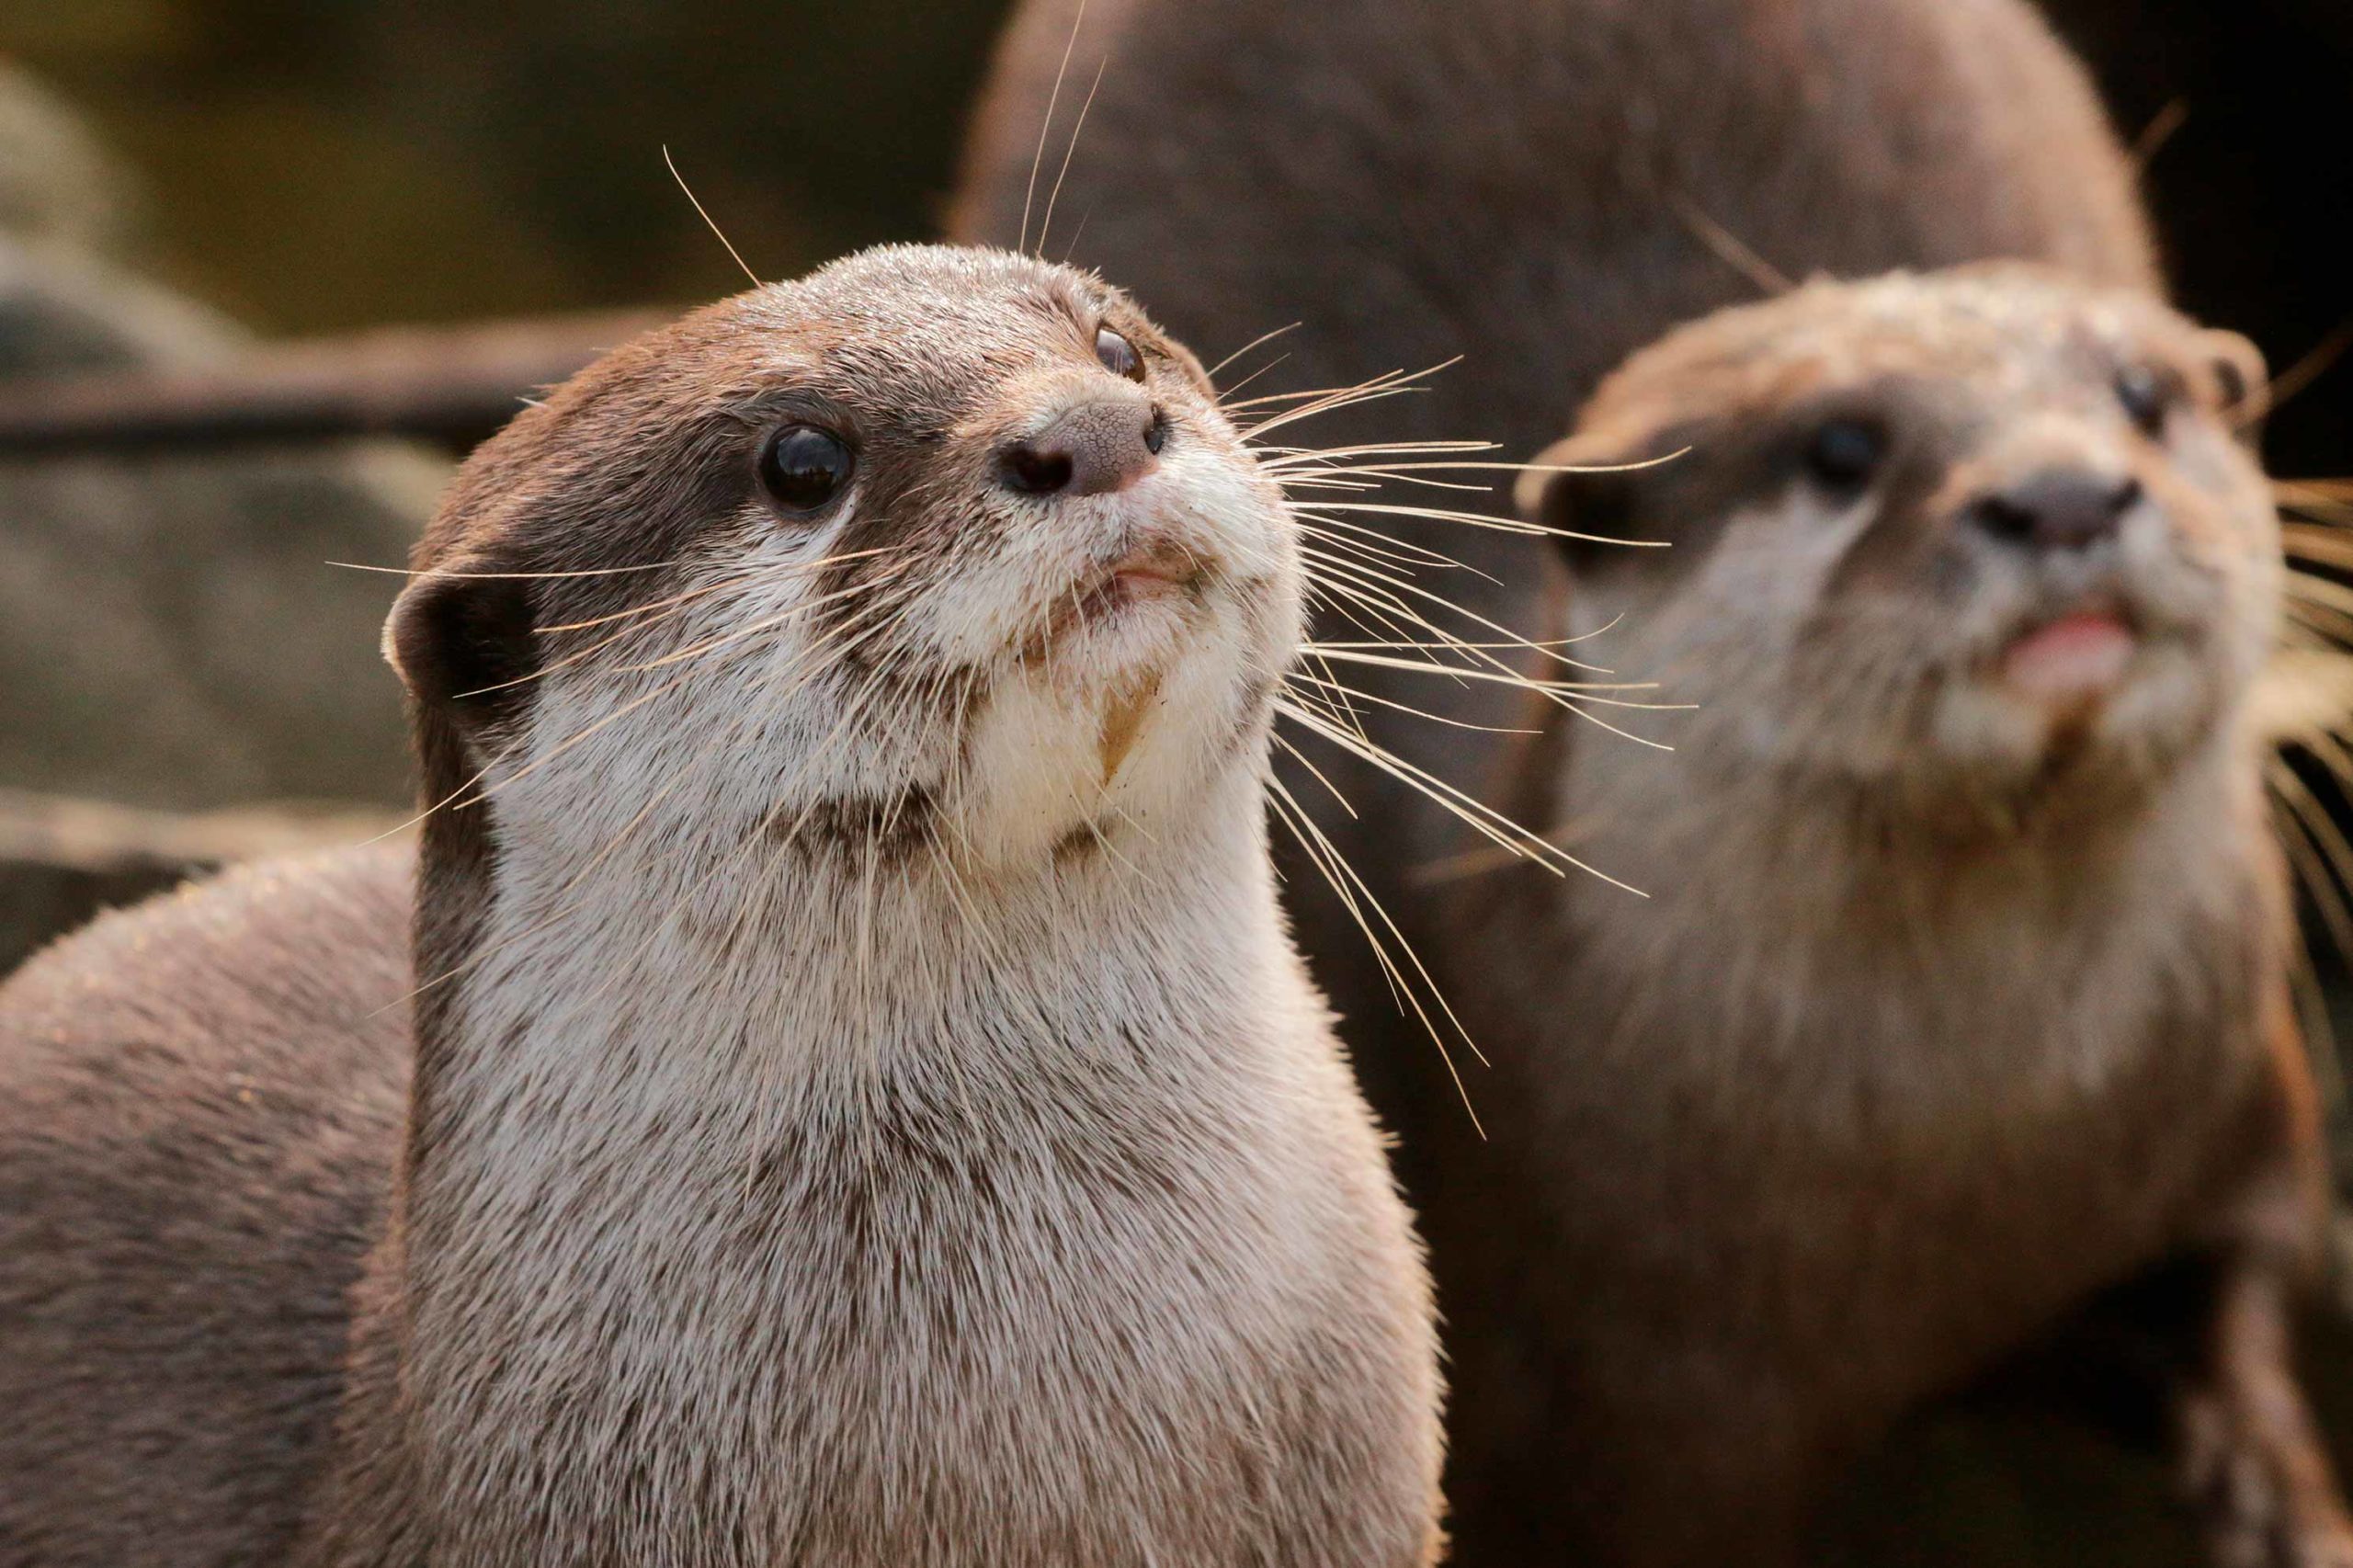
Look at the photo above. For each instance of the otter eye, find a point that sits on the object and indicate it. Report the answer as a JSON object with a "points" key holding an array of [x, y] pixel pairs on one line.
{"points": [[1118, 355], [802, 467], [1845, 453], [2144, 397]]}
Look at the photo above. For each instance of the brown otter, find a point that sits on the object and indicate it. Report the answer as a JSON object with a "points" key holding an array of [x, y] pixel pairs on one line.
{"points": [[1544, 186], [1961, 997], [862, 1106]]}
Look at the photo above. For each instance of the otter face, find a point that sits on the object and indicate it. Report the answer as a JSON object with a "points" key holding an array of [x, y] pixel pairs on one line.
{"points": [[931, 547], [1954, 540]]}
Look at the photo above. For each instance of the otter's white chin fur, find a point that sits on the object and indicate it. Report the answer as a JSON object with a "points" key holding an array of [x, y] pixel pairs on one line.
{"points": [[1148, 678]]}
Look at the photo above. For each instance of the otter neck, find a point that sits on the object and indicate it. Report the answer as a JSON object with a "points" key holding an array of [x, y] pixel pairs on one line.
{"points": [[785, 973], [648, 1153]]}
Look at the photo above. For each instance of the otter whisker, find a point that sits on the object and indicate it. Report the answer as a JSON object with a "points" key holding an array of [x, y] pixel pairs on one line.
{"points": [[1037, 161], [1610, 625], [1275, 363], [1355, 696], [1355, 898], [1263, 337], [1350, 576], [443, 572], [1466, 807], [1385, 381], [1354, 602], [1046, 226], [708, 221], [670, 605], [1583, 689], [1479, 520], [1317, 774], [1373, 546], [667, 607], [1330, 405]]}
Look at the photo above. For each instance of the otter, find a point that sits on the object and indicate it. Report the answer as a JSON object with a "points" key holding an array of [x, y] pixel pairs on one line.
{"points": [[1545, 187], [1960, 1009], [847, 1096]]}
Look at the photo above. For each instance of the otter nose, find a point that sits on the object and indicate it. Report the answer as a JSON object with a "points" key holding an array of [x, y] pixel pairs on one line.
{"points": [[2058, 509], [1094, 448]]}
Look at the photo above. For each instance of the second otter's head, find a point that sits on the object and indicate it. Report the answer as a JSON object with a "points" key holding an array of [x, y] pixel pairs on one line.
{"points": [[1948, 541], [933, 549]]}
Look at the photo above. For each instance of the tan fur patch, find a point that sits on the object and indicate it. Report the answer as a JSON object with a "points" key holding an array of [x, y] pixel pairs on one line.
{"points": [[1123, 717]]}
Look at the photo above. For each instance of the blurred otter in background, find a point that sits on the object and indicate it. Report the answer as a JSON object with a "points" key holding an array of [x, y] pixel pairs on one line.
{"points": [[1964, 1000]]}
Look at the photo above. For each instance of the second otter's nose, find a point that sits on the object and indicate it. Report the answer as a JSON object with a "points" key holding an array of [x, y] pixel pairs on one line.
{"points": [[1092, 448], [2058, 509]]}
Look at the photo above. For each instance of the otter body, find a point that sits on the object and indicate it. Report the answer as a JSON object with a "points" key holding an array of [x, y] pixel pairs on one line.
{"points": [[1960, 998], [861, 1106]]}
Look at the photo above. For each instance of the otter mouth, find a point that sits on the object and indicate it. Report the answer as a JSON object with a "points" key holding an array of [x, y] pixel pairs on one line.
{"points": [[1155, 574], [2076, 656]]}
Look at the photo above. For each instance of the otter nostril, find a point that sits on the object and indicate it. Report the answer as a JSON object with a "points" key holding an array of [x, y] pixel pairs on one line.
{"points": [[2004, 519], [1024, 468], [2062, 509], [1155, 435]]}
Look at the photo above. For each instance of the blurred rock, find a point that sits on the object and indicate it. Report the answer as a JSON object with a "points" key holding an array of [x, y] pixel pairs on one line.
{"points": [[56, 185], [172, 632]]}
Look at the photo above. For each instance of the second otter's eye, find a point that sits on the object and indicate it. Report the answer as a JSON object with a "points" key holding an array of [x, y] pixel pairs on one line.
{"points": [[1845, 453], [2145, 399], [804, 466], [1118, 355]]}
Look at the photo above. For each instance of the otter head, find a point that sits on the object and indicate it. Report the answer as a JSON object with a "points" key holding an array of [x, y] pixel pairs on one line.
{"points": [[1953, 543], [933, 550]]}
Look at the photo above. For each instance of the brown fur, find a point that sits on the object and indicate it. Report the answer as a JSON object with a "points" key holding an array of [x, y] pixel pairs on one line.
{"points": [[1984, 1025], [891, 1198], [199, 1126]]}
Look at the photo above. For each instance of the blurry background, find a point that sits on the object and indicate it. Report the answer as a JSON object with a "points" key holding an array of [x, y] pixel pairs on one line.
{"points": [[314, 164]]}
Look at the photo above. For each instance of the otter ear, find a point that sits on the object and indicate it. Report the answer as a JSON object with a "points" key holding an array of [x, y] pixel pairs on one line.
{"points": [[1585, 500], [2240, 376], [464, 645]]}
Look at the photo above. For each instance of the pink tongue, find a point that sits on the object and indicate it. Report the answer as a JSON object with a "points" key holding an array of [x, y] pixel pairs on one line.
{"points": [[2073, 657]]}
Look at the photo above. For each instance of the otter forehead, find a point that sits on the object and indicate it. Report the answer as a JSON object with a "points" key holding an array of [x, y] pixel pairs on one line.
{"points": [[917, 331], [1999, 336], [917, 336]]}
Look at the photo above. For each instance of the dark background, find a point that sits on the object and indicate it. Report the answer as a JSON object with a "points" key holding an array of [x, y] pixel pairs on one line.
{"points": [[312, 165]]}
